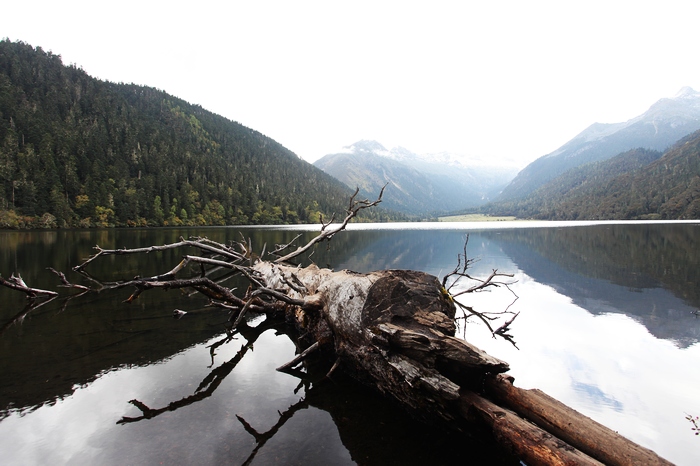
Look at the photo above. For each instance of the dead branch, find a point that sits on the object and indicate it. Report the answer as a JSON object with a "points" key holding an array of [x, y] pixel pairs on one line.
{"points": [[326, 234], [282, 247], [300, 357], [64, 281], [16, 283], [201, 243], [482, 284], [463, 264], [460, 273]]}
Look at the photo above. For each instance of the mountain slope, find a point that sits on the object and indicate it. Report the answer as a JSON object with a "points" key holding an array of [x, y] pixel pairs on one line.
{"points": [[77, 151], [667, 189], [416, 185], [408, 191], [565, 197], [635, 185], [667, 121]]}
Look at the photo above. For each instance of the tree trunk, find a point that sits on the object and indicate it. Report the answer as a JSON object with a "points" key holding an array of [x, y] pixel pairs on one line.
{"points": [[394, 330], [569, 425]]}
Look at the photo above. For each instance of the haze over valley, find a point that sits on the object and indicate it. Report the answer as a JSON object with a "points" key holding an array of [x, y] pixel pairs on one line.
{"points": [[417, 185], [575, 181]]}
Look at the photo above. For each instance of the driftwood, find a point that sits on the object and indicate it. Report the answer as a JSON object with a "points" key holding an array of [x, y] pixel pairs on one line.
{"points": [[393, 330]]}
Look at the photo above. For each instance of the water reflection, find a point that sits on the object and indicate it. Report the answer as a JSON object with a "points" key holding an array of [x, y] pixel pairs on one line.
{"points": [[648, 272], [212, 381], [606, 326], [238, 411]]}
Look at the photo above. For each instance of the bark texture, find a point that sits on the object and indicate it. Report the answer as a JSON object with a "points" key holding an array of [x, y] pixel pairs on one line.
{"points": [[394, 330], [567, 424]]}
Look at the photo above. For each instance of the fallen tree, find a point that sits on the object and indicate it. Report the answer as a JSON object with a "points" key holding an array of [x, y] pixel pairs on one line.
{"points": [[393, 330]]}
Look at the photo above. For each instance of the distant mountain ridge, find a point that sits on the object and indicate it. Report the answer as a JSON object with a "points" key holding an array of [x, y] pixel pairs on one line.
{"points": [[666, 121], [636, 185], [566, 196], [418, 185]]}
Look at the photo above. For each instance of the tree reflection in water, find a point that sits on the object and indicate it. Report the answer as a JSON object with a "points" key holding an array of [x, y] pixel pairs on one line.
{"points": [[212, 381], [386, 435]]}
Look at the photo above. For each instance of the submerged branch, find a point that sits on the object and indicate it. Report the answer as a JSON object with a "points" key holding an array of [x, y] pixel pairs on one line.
{"points": [[300, 357]]}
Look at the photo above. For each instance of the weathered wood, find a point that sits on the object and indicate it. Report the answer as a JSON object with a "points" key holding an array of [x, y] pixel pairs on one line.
{"points": [[394, 330], [571, 426], [525, 440], [387, 328]]}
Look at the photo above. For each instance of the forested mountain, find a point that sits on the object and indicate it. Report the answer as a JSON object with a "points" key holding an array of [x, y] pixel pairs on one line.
{"points": [[416, 185], [635, 185], [559, 199], [78, 151], [667, 121]]}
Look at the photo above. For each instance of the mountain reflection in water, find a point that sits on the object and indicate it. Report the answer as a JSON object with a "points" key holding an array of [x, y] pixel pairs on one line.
{"points": [[605, 325]]}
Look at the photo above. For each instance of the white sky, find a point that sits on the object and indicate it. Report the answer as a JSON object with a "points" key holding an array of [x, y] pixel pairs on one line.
{"points": [[506, 81]]}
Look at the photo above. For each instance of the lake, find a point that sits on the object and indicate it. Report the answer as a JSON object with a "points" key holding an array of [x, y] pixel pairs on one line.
{"points": [[607, 324]]}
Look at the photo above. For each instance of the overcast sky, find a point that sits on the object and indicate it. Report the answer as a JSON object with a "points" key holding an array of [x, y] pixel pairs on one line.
{"points": [[507, 81]]}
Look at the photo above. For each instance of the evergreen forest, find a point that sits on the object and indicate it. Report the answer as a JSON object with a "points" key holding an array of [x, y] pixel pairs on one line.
{"points": [[76, 151], [640, 184]]}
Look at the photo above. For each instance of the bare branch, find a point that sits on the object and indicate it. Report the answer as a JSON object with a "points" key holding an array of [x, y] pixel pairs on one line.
{"points": [[461, 272], [326, 234], [483, 284], [463, 264], [244, 270], [468, 311], [16, 283], [333, 368], [281, 247], [503, 330], [204, 285], [201, 243], [300, 357], [278, 295], [64, 281]]}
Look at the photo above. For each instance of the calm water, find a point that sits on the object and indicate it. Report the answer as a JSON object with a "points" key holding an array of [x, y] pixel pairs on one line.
{"points": [[606, 325]]}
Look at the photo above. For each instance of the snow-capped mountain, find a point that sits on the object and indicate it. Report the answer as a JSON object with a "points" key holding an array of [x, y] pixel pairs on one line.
{"points": [[418, 184]]}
